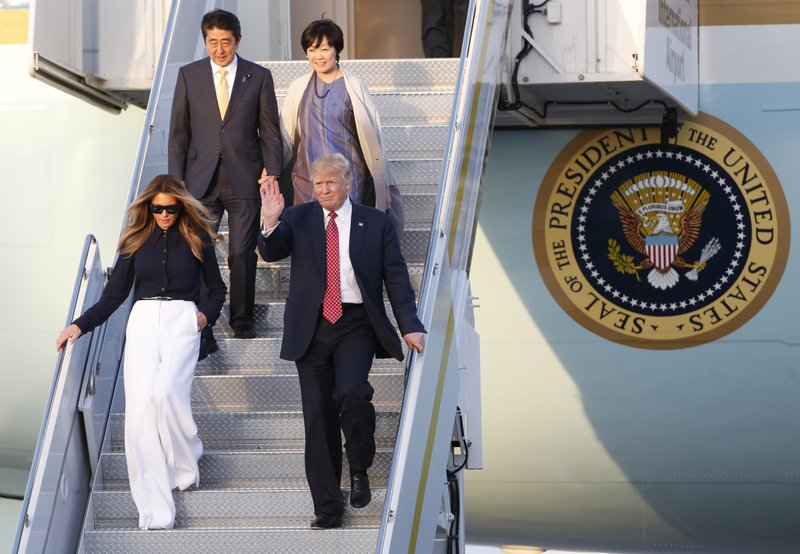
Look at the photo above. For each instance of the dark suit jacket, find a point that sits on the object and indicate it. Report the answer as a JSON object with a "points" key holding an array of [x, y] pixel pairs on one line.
{"points": [[376, 258], [248, 139]]}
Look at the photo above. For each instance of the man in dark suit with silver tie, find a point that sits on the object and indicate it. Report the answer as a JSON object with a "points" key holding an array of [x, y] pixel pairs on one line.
{"points": [[224, 130], [335, 323]]}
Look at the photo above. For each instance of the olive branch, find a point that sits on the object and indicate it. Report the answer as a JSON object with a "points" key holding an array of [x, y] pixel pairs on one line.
{"points": [[622, 262]]}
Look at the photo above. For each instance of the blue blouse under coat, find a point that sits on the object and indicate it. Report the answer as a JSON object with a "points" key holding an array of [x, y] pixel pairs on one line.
{"points": [[328, 126]]}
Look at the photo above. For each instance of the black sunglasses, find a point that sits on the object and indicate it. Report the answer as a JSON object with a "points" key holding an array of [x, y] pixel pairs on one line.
{"points": [[171, 209]]}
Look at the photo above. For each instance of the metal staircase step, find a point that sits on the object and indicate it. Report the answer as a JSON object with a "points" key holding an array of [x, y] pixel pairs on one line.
{"points": [[279, 469], [293, 538], [404, 108], [245, 393], [394, 75], [419, 199], [268, 318], [234, 510], [414, 244], [272, 278], [416, 172], [276, 392], [420, 108], [414, 141], [419, 203], [254, 430], [380, 366], [260, 355], [226, 507]]}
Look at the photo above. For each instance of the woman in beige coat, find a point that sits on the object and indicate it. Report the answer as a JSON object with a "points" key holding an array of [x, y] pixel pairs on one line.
{"points": [[330, 110]]}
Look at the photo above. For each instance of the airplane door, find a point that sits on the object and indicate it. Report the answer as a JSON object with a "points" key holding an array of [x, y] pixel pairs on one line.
{"points": [[305, 11], [76, 45], [106, 52]]}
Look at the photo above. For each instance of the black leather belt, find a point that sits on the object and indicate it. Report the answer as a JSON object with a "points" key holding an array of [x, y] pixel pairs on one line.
{"points": [[164, 298]]}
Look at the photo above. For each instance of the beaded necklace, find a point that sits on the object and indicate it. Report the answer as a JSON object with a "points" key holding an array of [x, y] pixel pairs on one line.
{"points": [[324, 94]]}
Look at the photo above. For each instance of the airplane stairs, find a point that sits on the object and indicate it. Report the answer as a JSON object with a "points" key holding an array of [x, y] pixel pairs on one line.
{"points": [[253, 496]]}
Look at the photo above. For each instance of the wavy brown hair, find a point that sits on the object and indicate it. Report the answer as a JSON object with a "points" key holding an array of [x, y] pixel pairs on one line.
{"points": [[192, 221]]}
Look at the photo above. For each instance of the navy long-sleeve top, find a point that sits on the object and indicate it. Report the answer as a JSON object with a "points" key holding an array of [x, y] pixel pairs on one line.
{"points": [[163, 266]]}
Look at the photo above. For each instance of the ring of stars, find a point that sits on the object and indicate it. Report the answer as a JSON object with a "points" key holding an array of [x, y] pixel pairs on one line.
{"points": [[730, 273]]}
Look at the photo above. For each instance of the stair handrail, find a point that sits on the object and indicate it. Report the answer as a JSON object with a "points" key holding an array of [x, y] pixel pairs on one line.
{"points": [[72, 363], [414, 490]]}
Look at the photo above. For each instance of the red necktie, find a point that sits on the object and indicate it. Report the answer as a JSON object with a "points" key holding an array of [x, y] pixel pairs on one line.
{"points": [[332, 300]]}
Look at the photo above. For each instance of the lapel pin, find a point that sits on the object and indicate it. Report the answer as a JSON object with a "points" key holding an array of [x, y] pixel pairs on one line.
{"points": [[360, 223]]}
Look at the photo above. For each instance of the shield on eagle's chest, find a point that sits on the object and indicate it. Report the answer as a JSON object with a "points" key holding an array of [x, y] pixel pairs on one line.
{"points": [[661, 249]]}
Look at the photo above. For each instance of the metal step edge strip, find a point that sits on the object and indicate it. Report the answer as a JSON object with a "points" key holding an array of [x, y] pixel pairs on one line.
{"points": [[241, 541], [233, 430], [233, 503], [272, 469]]}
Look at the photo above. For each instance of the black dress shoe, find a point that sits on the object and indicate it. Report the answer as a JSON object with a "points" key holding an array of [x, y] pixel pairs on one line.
{"points": [[326, 521], [244, 333], [202, 354], [212, 343], [208, 344], [360, 494]]}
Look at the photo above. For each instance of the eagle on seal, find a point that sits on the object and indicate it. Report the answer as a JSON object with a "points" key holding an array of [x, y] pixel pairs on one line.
{"points": [[662, 240]]}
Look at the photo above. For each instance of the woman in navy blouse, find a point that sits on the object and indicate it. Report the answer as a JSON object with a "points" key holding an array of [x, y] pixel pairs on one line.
{"points": [[166, 254]]}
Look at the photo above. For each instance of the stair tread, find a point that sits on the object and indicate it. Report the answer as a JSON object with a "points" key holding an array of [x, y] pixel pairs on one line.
{"points": [[271, 524], [291, 487], [231, 504], [291, 536], [387, 448], [210, 370], [389, 409]]}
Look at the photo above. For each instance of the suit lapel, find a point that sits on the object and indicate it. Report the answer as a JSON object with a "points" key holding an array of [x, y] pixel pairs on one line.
{"points": [[317, 226], [208, 88], [357, 232], [240, 84]]}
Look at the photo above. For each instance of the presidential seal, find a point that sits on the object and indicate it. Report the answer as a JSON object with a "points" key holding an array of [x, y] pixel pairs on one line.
{"points": [[661, 245]]}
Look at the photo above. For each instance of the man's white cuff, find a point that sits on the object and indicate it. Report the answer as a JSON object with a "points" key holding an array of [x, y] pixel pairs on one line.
{"points": [[266, 232]]}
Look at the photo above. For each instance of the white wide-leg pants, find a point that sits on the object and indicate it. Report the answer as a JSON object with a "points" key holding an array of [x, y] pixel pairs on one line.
{"points": [[161, 443]]}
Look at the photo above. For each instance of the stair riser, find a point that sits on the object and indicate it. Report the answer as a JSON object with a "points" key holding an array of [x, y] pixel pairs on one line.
{"points": [[417, 141], [285, 541], [261, 355], [234, 504], [274, 392], [415, 75], [409, 108], [220, 470], [272, 280], [248, 431], [268, 319], [414, 245], [422, 173]]}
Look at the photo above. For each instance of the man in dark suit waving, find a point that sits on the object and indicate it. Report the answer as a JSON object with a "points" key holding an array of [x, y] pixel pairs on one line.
{"points": [[224, 130], [335, 322]]}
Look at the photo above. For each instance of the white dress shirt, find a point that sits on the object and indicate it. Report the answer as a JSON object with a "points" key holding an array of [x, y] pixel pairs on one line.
{"points": [[351, 294], [344, 215]]}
